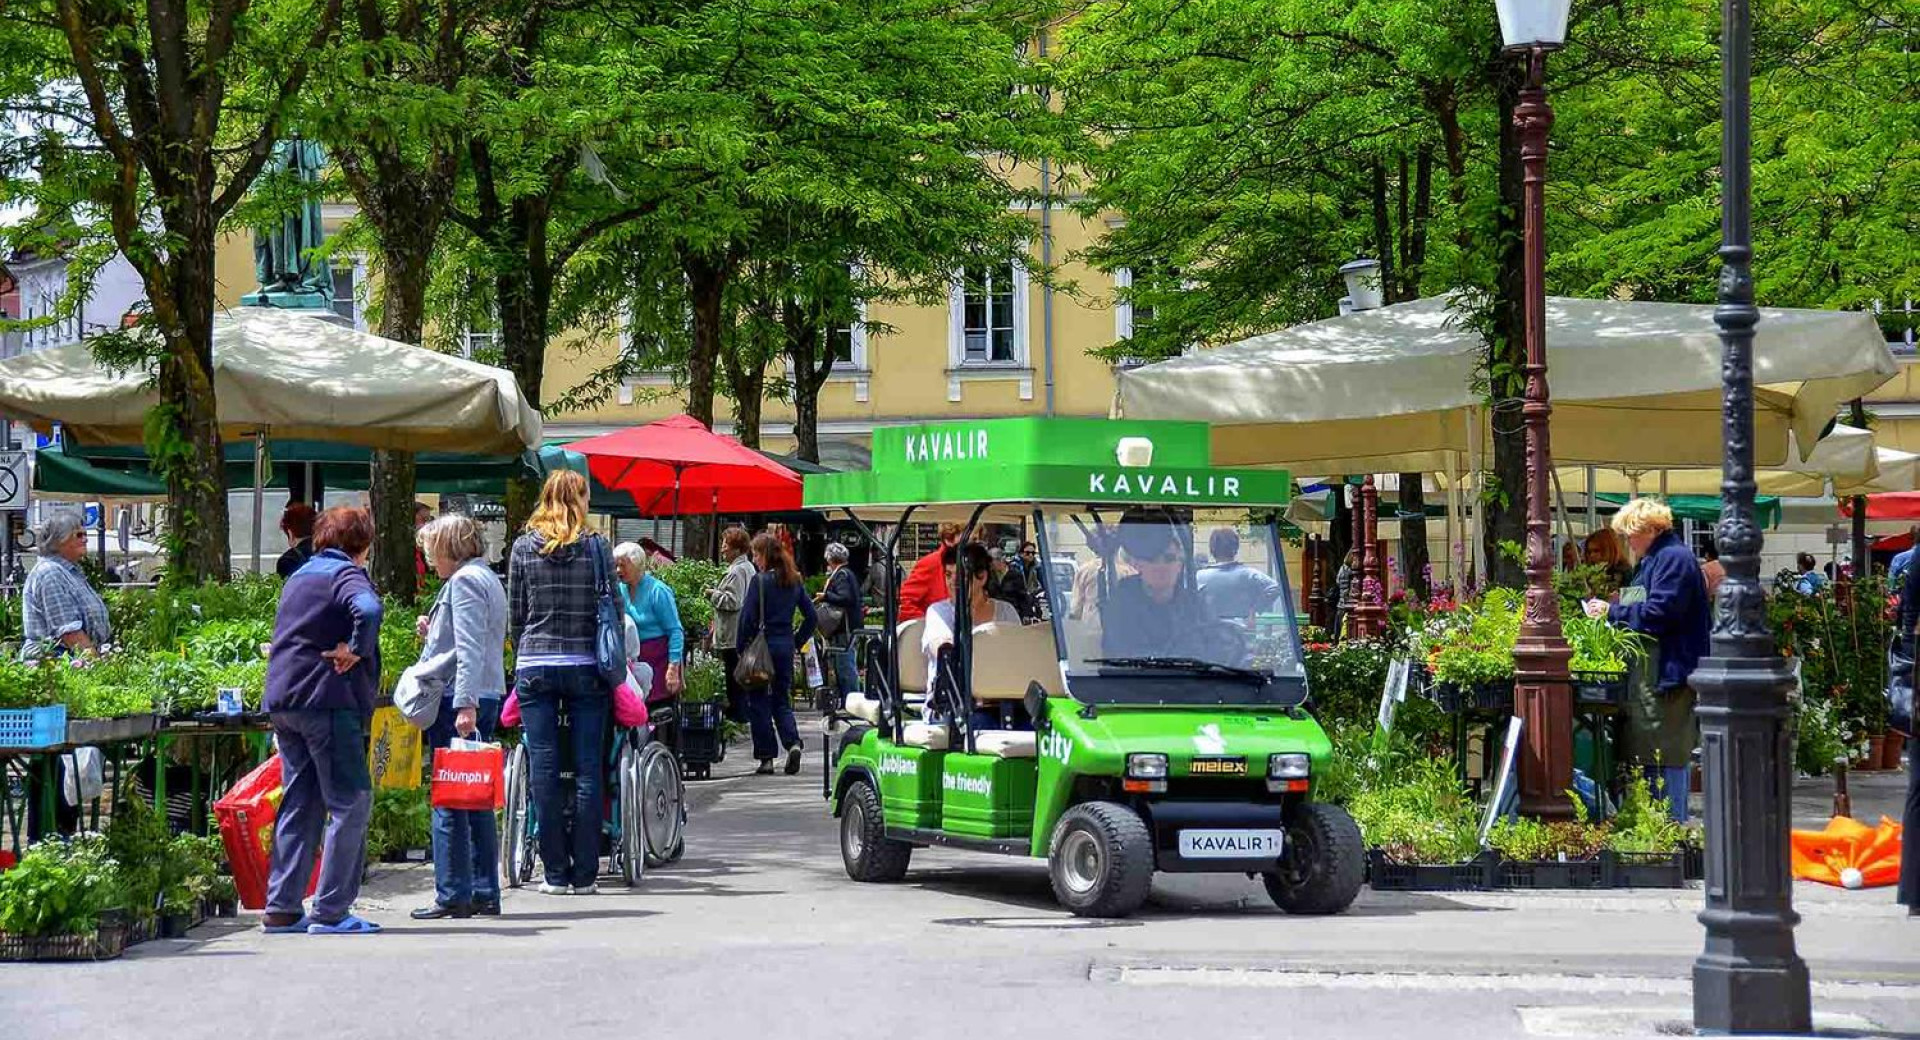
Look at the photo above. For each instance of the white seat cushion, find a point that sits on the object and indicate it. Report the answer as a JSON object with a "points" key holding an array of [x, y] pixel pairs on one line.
{"points": [[1006, 743], [913, 663], [863, 707], [924, 735], [1009, 658]]}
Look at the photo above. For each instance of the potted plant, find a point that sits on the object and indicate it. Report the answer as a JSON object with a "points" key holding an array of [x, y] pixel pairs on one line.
{"points": [[1421, 830], [1471, 655], [703, 723], [1549, 853], [1645, 847], [62, 901], [1602, 654]]}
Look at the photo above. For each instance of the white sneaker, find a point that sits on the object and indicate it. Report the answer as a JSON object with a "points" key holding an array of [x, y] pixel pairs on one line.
{"points": [[587, 890], [547, 889]]}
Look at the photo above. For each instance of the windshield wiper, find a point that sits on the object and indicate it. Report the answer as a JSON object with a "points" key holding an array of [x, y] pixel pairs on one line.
{"points": [[1192, 664]]}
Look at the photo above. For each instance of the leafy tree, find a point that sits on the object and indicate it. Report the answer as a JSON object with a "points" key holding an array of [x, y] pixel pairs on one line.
{"points": [[138, 126]]}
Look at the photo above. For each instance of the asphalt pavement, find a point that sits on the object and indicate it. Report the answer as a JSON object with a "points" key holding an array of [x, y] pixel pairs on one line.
{"points": [[758, 932]]}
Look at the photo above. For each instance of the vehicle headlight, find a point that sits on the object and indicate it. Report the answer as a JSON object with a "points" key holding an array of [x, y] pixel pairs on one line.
{"points": [[1291, 766], [1147, 766]]}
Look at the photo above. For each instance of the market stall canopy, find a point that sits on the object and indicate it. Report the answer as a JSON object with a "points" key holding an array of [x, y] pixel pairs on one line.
{"points": [[677, 466], [1847, 456], [296, 376], [1888, 505], [1705, 509], [74, 472], [1392, 389]]}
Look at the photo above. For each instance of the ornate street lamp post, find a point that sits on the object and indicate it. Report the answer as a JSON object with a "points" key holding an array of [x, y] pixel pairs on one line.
{"points": [[1532, 28], [1749, 979]]}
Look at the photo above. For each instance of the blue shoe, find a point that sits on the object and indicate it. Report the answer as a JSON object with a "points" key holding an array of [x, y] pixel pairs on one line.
{"points": [[348, 925], [296, 928]]}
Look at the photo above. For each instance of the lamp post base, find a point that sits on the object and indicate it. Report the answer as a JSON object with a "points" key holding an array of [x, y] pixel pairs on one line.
{"points": [[1543, 699]]}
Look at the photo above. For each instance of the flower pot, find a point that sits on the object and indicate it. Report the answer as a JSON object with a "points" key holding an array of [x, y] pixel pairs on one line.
{"points": [[1876, 752], [175, 926], [1891, 749]]}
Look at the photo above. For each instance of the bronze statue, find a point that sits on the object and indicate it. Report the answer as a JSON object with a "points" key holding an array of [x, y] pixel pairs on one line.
{"points": [[284, 257]]}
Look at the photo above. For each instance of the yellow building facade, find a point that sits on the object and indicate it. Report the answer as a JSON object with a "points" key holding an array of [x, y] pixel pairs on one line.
{"points": [[1012, 346]]}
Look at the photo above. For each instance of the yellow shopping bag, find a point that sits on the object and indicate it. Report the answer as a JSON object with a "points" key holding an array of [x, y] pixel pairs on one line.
{"points": [[393, 752]]}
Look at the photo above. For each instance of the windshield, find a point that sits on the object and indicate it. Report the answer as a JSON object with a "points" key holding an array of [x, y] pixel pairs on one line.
{"points": [[1173, 606]]}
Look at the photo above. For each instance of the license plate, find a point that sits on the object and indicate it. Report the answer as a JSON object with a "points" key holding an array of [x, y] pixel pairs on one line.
{"points": [[1231, 844]]}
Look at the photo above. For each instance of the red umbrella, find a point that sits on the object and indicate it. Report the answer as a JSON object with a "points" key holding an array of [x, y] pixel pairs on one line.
{"points": [[1887, 505], [677, 466]]}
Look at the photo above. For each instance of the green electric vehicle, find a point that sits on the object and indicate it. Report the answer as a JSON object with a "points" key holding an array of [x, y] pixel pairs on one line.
{"points": [[1150, 719]]}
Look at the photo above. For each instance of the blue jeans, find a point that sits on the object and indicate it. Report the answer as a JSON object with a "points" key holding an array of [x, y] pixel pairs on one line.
{"points": [[770, 709], [466, 845], [846, 672], [569, 835], [327, 804], [1675, 784]]}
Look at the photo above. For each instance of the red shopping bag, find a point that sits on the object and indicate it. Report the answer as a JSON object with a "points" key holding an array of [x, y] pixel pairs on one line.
{"points": [[246, 814], [469, 780]]}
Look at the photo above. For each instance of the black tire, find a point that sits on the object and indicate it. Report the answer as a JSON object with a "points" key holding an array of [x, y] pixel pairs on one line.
{"points": [[864, 846], [1101, 860], [516, 838], [662, 807], [1324, 864]]}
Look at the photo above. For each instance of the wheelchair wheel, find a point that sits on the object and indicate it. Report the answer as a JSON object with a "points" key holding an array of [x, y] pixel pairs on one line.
{"points": [[516, 823], [663, 810], [631, 852]]}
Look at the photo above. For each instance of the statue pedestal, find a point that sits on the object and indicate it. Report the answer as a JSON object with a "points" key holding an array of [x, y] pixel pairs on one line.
{"points": [[288, 301]]}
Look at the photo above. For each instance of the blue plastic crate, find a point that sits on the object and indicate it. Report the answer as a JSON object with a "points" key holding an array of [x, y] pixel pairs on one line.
{"points": [[33, 727]]}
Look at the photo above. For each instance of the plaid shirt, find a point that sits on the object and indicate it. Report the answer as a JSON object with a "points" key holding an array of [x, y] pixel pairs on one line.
{"points": [[552, 597], [57, 600]]}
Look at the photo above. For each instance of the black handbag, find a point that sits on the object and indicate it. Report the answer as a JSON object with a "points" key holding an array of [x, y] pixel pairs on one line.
{"points": [[610, 630], [1899, 690], [755, 667]]}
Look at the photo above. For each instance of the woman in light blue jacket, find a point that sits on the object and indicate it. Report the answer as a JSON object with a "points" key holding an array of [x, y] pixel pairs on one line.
{"points": [[649, 602], [469, 619]]}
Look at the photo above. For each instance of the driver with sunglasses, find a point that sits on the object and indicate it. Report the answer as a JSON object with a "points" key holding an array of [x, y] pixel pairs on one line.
{"points": [[1156, 612]]}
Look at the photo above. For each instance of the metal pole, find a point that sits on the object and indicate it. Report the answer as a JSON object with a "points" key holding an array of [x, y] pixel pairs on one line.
{"points": [[1749, 978], [1541, 695], [259, 496], [1593, 504]]}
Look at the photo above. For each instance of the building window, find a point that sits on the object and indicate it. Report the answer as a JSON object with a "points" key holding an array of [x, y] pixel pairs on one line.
{"points": [[482, 336], [346, 288], [989, 316], [849, 342]]}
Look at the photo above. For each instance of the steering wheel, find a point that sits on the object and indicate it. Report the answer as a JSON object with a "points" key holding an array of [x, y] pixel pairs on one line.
{"points": [[1221, 642]]}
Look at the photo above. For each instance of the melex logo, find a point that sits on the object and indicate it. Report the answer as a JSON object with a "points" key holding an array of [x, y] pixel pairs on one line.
{"points": [[1218, 767], [894, 765], [1055, 745], [947, 446], [965, 784], [1164, 485]]}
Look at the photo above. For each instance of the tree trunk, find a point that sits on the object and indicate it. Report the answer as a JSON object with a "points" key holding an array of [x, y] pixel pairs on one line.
{"points": [[812, 365], [183, 434], [706, 283], [1413, 534], [523, 295], [391, 479], [1507, 513]]}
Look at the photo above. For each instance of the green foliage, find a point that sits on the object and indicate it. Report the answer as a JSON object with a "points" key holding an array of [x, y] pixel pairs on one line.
{"points": [[705, 678], [1476, 643], [1821, 737], [230, 642], [399, 640], [1422, 816], [690, 580], [1839, 634], [59, 887], [27, 684], [402, 819], [1643, 823], [1346, 680], [1600, 646], [1527, 839], [138, 839]]}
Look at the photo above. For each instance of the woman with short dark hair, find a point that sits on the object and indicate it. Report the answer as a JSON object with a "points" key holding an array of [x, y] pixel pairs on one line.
{"points": [[296, 522], [323, 671], [776, 594]]}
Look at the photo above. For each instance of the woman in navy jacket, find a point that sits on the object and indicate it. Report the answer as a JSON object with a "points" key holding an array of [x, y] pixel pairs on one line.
{"points": [[776, 594], [1666, 600]]}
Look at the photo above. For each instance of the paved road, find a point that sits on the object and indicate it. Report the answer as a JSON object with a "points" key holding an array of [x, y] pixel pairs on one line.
{"points": [[759, 933]]}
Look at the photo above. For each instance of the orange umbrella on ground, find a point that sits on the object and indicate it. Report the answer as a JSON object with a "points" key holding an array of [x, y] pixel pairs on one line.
{"points": [[1848, 854]]}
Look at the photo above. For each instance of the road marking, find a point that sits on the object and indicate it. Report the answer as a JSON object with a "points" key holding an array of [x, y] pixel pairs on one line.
{"points": [[1657, 1022], [1276, 978]]}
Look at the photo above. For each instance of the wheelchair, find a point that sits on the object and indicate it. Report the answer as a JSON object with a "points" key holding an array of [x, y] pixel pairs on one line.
{"points": [[644, 821]]}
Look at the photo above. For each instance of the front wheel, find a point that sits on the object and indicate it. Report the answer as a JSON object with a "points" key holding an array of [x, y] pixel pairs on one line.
{"points": [[1323, 866], [1101, 860], [516, 821], [864, 846]]}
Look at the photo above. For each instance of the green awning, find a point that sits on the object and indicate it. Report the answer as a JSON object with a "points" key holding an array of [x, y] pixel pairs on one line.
{"points": [[1705, 508], [122, 472]]}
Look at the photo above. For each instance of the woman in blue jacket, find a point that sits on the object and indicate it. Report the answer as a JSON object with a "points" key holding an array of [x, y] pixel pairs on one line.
{"points": [[656, 618], [776, 594], [1666, 600]]}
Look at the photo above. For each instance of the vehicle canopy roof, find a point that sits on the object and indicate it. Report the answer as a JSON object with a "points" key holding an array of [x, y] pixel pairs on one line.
{"points": [[1065, 461]]}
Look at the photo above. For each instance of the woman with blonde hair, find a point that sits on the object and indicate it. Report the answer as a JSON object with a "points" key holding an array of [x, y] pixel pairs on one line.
{"points": [[466, 628], [1666, 601], [554, 576]]}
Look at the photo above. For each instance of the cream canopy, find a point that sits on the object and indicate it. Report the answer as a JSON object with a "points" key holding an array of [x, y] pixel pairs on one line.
{"points": [[1847, 456], [298, 377], [1391, 389]]}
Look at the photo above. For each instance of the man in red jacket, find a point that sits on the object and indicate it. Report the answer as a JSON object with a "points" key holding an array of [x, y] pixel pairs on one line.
{"points": [[926, 584]]}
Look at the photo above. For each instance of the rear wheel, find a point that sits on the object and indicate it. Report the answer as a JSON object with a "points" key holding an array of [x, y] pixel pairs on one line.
{"points": [[632, 849], [662, 805], [864, 846], [516, 822], [1323, 866], [1101, 860]]}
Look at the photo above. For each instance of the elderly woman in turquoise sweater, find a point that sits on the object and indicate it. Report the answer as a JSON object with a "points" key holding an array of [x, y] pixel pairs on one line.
{"points": [[656, 617]]}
